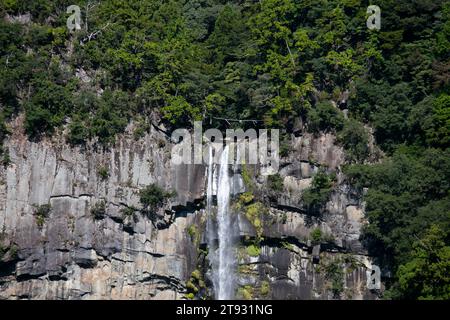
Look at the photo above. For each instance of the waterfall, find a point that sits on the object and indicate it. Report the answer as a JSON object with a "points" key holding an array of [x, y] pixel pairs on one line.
{"points": [[220, 230], [209, 195], [210, 225], [226, 257]]}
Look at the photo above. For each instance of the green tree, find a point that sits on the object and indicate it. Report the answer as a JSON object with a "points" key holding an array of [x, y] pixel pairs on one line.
{"points": [[153, 196], [438, 132], [325, 117], [355, 140], [427, 274], [315, 197]]}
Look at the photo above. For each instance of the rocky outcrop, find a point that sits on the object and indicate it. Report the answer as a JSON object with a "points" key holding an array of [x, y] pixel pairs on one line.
{"points": [[74, 255], [71, 253], [290, 273]]}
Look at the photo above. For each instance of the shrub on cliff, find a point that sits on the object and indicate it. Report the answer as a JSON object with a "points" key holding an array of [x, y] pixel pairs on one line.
{"points": [[355, 140], [275, 182], [98, 211], [325, 117], [103, 172], [41, 212], [315, 197], [153, 196], [316, 235]]}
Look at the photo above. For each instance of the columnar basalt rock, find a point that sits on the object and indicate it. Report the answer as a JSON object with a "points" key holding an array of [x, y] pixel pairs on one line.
{"points": [[72, 254]]}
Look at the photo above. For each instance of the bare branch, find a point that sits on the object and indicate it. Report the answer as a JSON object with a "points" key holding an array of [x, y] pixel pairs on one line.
{"points": [[94, 34], [290, 53], [89, 6], [228, 120]]}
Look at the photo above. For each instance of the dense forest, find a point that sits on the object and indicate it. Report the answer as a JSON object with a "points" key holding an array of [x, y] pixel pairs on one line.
{"points": [[274, 60]]}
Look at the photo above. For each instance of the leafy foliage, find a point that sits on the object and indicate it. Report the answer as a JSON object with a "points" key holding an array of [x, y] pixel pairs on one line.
{"points": [[426, 275], [355, 140], [253, 250], [325, 117], [42, 212], [103, 173], [255, 213], [98, 211], [315, 197], [407, 195], [275, 182], [153, 196], [316, 235], [334, 273]]}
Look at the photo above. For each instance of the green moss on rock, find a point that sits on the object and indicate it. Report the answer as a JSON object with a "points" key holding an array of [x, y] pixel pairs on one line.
{"points": [[265, 288], [246, 292], [254, 213], [253, 250]]}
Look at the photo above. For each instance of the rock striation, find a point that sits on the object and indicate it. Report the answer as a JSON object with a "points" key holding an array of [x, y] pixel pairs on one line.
{"points": [[73, 254]]}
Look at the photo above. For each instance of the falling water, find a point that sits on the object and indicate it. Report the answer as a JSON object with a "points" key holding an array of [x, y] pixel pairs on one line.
{"points": [[209, 197], [220, 230], [210, 225], [226, 257]]}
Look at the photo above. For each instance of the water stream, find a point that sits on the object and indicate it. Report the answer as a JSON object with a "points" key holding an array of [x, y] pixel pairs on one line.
{"points": [[223, 259]]}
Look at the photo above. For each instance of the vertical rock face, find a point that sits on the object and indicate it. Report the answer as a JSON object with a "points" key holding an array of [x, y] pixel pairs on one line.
{"points": [[72, 253]]}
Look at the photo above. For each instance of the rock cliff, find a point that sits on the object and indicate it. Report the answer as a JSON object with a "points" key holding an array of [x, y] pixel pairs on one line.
{"points": [[70, 253]]}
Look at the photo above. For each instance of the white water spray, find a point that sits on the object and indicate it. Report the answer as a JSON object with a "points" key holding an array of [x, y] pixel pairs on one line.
{"points": [[226, 257], [209, 199], [211, 224], [220, 231]]}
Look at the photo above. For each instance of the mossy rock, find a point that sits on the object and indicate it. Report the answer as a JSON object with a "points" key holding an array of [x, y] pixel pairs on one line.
{"points": [[254, 213], [246, 292], [265, 288], [246, 197], [191, 287], [253, 250], [194, 234], [196, 274], [247, 178], [189, 296]]}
